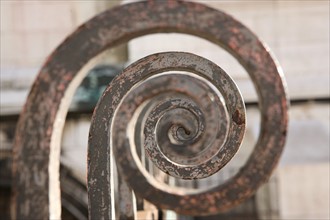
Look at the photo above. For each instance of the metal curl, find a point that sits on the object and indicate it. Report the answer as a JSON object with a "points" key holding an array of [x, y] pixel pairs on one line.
{"points": [[205, 94], [37, 150], [177, 101], [194, 96]]}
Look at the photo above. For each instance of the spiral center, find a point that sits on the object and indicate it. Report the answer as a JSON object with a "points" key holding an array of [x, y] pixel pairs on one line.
{"points": [[185, 126], [183, 133], [178, 134]]}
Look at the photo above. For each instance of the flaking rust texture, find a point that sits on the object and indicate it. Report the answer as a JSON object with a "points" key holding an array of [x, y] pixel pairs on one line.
{"points": [[180, 92], [111, 28], [202, 164]]}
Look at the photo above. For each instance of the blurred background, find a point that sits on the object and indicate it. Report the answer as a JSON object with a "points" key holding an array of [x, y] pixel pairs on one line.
{"points": [[297, 32]]}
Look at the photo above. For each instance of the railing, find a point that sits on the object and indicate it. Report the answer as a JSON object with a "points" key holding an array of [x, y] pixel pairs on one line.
{"points": [[178, 112]]}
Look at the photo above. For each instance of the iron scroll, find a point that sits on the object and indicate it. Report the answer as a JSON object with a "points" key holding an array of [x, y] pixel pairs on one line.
{"points": [[36, 155]]}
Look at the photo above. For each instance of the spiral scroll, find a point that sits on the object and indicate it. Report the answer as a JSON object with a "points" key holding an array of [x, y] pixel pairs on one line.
{"points": [[187, 133], [193, 124], [194, 119]]}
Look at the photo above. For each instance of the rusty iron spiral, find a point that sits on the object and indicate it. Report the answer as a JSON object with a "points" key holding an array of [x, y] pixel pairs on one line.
{"points": [[166, 86], [187, 133], [192, 125]]}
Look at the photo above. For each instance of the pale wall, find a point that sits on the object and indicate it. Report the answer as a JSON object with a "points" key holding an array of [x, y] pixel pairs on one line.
{"points": [[296, 31]]}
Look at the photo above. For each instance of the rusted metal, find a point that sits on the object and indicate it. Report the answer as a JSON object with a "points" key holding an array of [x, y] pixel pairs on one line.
{"points": [[179, 100], [36, 155], [120, 102]]}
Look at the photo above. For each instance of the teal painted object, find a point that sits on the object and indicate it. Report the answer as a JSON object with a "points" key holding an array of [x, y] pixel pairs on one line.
{"points": [[92, 87]]}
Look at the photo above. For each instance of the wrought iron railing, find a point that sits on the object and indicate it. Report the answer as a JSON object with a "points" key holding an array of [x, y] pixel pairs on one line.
{"points": [[176, 110]]}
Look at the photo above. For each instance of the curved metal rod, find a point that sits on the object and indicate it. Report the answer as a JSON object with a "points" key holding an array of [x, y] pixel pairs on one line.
{"points": [[33, 151]]}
